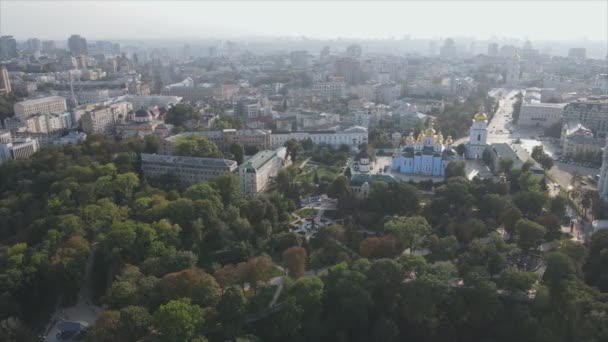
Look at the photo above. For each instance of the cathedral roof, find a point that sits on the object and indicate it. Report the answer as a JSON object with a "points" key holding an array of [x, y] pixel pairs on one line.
{"points": [[481, 115]]}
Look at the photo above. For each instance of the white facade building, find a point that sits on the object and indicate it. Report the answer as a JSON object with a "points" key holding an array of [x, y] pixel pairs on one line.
{"points": [[257, 173], [353, 137], [189, 170], [478, 138], [45, 105], [540, 114], [19, 149]]}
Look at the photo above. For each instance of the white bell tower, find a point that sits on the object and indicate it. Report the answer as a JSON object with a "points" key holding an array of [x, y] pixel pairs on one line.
{"points": [[478, 138]]}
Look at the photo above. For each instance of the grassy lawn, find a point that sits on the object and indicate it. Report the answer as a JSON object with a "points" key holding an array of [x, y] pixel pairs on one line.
{"points": [[306, 212]]}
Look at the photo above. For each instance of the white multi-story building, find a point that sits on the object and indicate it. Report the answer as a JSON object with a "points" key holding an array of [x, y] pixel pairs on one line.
{"points": [[257, 173], [601, 82], [189, 170], [361, 118], [591, 112], [540, 114], [333, 87], [353, 137], [223, 139], [92, 96], [19, 149], [5, 136], [45, 105]]}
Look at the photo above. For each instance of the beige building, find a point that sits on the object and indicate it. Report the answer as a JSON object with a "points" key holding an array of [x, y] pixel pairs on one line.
{"points": [[189, 170], [5, 82], [101, 118], [259, 171], [223, 139], [592, 112], [44, 105], [579, 142]]}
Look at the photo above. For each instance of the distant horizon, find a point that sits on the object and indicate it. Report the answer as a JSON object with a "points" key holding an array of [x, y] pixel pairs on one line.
{"points": [[327, 20]]}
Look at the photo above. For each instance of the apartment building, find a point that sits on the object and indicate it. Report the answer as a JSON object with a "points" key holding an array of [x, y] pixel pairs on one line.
{"points": [[591, 112], [189, 170], [44, 105], [101, 118]]}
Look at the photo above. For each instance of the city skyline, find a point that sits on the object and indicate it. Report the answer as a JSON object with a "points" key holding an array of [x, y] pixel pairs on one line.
{"points": [[380, 20]]}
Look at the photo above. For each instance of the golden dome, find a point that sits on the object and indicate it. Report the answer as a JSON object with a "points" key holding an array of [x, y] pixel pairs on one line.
{"points": [[481, 115], [449, 140], [421, 137], [410, 139], [439, 139], [430, 131]]}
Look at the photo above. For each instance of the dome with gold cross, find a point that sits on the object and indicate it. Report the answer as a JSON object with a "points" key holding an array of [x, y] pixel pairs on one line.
{"points": [[481, 115], [430, 131], [448, 140], [439, 139], [410, 139], [421, 137]]}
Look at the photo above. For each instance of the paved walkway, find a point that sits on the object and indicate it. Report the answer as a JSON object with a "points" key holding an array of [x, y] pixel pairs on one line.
{"points": [[84, 310]]}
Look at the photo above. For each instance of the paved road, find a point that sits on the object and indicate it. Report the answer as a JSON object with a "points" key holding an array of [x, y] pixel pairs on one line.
{"points": [[84, 310]]}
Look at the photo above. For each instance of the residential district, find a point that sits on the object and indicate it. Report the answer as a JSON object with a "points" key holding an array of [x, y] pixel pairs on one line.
{"points": [[176, 160]]}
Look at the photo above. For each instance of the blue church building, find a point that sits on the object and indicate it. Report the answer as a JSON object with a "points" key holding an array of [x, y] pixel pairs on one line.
{"points": [[429, 153]]}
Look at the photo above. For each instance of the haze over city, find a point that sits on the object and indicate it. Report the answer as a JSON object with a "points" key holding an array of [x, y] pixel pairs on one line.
{"points": [[535, 20], [319, 171]]}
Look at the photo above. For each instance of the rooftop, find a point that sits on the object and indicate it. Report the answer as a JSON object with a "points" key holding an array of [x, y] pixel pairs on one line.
{"points": [[187, 161], [41, 100], [262, 157]]}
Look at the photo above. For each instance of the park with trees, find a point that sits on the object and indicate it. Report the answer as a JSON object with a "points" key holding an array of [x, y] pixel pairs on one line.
{"points": [[207, 263]]}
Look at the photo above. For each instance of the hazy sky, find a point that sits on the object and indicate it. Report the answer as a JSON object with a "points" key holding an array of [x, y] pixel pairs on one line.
{"points": [[536, 20]]}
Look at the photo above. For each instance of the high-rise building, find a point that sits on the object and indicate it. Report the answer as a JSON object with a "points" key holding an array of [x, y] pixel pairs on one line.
{"points": [[8, 47], [353, 51], [5, 82], [493, 49], [324, 53], [577, 53], [448, 50], [350, 69], [299, 59], [48, 46], [33, 45], [77, 45]]}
